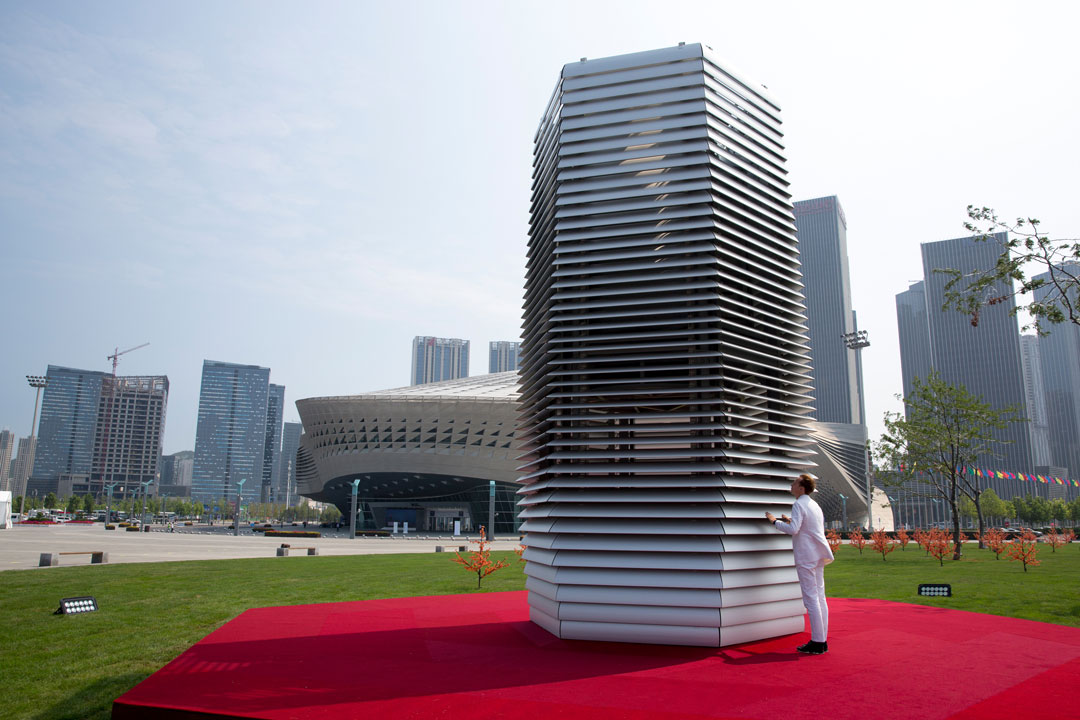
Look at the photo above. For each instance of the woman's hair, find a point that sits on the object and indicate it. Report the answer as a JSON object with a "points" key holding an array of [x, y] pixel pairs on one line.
{"points": [[807, 483]]}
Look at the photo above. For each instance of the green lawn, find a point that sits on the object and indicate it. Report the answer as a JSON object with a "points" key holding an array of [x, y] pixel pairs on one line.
{"points": [[1048, 593], [74, 666]]}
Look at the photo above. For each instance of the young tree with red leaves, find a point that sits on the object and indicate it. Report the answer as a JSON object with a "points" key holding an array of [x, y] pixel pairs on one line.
{"points": [[923, 539], [833, 538], [995, 540], [882, 543], [1055, 539], [1025, 549], [1070, 536], [479, 561], [937, 545], [903, 538], [856, 538]]}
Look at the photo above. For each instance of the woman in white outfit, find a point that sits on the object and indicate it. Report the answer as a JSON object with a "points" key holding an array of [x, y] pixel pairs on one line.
{"points": [[812, 553]]}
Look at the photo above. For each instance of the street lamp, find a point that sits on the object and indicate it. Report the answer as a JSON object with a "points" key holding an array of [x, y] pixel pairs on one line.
{"points": [[236, 515], [289, 484], [857, 341], [843, 509], [145, 486], [108, 502], [37, 382], [352, 516]]}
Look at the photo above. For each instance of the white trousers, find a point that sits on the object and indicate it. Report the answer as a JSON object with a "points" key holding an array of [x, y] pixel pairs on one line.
{"points": [[812, 584]]}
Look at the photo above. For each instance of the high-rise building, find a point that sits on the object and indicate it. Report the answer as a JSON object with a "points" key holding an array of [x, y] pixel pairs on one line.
{"points": [[1060, 365], [230, 436], [503, 356], [1035, 400], [129, 432], [7, 447], [20, 466], [275, 406], [665, 379], [822, 229], [984, 359], [70, 409], [914, 329], [176, 472], [290, 443], [436, 359]]}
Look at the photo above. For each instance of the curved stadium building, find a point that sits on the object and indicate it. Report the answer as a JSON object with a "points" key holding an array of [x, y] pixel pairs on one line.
{"points": [[424, 454], [427, 454]]}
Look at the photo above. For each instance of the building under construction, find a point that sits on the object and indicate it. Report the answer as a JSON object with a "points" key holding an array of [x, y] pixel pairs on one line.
{"points": [[97, 429], [130, 428]]}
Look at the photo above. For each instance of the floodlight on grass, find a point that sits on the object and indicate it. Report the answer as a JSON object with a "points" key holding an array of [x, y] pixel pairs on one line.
{"points": [[76, 605], [935, 589]]}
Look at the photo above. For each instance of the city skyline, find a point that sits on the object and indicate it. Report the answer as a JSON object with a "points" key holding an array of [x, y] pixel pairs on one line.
{"points": [[197, 165]]}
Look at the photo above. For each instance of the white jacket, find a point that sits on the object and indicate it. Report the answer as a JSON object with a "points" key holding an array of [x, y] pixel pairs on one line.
{"points": [[807, 528]]}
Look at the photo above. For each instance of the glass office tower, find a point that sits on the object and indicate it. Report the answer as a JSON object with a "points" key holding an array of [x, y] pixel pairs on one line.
{"points": [[7, 450], [914, 329], [275, 406], [1035, 400], [436, 359], [69, 418], [290, 443], [1059, 363], [822, 229], [230, 438], [503, 356]]}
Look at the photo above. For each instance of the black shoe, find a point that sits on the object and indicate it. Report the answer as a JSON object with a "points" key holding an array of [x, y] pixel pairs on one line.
{"points": [[814, 648]]}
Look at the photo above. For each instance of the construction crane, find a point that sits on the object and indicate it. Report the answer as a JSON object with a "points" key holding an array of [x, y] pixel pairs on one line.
{"points": [[115, 357]]}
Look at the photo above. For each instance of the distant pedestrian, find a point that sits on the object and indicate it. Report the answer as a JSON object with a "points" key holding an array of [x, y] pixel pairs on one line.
{"points": [[812, 553]]}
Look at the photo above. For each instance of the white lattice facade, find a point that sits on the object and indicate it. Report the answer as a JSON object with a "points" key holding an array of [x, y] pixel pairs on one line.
{"points": [[665, 377]]}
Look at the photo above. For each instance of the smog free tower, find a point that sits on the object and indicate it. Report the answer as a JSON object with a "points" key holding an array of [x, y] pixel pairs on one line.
{"points": [[665, 381]]}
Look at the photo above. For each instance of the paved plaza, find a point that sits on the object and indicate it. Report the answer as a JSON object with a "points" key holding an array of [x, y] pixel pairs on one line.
{"points": [[21, 546]]}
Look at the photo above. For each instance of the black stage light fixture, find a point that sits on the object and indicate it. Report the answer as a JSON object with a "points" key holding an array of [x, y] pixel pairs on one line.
{"points": [[76, 605], [936, 589]]}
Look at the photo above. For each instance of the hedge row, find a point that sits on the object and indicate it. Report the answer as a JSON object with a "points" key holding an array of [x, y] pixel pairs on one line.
{"points": [[293, 533]]}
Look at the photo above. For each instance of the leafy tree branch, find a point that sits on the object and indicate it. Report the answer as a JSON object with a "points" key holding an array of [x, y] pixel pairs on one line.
{"points": [[1040, 274]]}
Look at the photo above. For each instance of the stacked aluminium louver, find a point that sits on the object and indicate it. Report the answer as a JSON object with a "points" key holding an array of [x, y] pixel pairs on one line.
{"points": [[665, 379]]}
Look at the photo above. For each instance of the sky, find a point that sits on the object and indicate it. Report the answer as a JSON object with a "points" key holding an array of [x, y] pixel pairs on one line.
{"points": [[307, 186]]}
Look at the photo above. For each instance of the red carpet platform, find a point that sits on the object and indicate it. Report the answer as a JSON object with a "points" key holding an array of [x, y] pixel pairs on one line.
{"points": [[477, 656]]}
